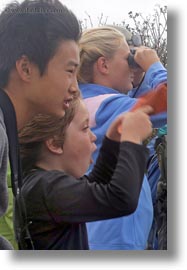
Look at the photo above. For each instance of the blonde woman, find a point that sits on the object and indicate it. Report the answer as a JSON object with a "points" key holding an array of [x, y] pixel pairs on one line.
{"points": [[105, 79]]}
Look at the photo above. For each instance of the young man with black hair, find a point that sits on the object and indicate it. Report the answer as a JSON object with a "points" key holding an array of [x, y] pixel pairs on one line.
{"points": [[38, 62]]}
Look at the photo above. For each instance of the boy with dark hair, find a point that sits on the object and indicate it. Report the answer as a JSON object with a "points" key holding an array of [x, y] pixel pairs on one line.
{"points": [[38, 62]]}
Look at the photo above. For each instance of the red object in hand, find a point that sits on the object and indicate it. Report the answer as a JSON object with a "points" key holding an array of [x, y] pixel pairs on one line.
{"points": [[156, 98]]}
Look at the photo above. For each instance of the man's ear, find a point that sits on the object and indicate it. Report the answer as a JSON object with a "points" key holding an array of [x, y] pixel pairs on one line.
{"points": [[53, 147], [24, 68], [102, 65]]}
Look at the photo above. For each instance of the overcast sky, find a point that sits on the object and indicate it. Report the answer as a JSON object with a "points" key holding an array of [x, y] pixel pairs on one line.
{"points": [[115, 10]]}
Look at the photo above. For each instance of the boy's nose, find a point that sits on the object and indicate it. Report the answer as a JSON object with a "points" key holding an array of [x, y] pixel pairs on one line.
{"points": [[93, 136]]}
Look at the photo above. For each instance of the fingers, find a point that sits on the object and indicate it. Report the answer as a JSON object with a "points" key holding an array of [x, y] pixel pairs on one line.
{"points": [[136, 126], [132, 126], [113, 133], [146, 109], [145, 57]]}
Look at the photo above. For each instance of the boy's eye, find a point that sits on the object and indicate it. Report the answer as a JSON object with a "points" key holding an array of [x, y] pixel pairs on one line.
{"points": [[71, 71], [86, 127]]}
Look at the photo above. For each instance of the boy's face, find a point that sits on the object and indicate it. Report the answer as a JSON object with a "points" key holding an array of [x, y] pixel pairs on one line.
{"points": [[52, 92], [79, 144]]}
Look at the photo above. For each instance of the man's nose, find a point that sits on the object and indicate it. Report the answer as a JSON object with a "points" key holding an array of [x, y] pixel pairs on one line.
{"points": [[74, 89]]}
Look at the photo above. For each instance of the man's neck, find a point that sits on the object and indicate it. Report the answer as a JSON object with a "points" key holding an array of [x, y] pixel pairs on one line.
{"points": [[21, 107]]}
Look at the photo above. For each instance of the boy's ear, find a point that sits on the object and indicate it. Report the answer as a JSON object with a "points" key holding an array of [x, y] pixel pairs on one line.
{"points": [[24, 68], [53, 146], [102, 65]]}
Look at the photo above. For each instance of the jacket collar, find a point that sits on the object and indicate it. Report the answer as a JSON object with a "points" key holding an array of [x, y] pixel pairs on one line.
{"points": [[91, 90]]}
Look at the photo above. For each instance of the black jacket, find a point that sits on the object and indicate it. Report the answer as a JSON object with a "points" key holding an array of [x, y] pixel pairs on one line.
{"points": [[58, 205]]}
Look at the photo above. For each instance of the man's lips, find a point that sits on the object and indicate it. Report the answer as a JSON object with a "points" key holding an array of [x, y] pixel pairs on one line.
{"points": [[67, 102]]}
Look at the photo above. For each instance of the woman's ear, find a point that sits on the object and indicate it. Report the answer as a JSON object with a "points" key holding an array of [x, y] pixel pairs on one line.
{"points": [[102, 65], [24, 68], [53, 147]]}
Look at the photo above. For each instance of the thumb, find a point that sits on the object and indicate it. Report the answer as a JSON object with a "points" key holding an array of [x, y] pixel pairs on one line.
{"points": [[146, 109]]}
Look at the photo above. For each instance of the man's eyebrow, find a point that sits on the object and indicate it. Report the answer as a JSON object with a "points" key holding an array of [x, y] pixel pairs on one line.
{"points": [[73, 63]]}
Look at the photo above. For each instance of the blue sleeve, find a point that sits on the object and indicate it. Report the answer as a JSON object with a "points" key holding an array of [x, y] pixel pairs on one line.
{"points": [[159, 120], [155, 75], [117, 104], [112, 107]]}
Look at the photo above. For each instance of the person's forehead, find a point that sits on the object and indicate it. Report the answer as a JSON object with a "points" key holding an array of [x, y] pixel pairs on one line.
{"points": [[68, 51], [124, 48]]}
